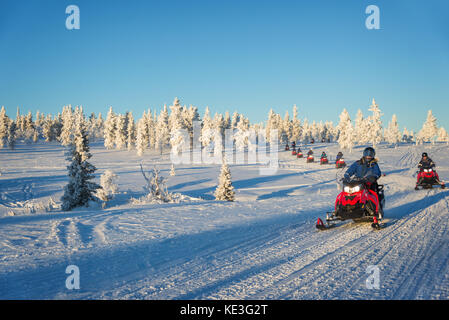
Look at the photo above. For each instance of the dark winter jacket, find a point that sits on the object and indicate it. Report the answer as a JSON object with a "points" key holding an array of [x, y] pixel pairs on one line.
{"points": [[363, 169], [426, 163], [339, 156]]}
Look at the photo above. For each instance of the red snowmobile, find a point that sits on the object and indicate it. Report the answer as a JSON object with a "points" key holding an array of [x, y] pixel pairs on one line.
{"points": [[324, 160], [340, 163], [310, 158], [287, 147], [294, 151], [357, 202], [299, 154], [427, 178]]}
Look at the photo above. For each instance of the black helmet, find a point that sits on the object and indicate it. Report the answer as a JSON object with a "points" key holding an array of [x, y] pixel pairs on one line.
{"points": [[369, 152], [424, 154]]}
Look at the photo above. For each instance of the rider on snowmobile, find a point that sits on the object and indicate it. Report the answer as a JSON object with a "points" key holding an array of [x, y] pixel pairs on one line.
{"points": [[368, 169], [323, 155], [426, 162], [339, 155]]}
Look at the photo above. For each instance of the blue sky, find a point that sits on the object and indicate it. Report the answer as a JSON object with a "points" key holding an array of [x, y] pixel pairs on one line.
{"points": [[244, 55]]}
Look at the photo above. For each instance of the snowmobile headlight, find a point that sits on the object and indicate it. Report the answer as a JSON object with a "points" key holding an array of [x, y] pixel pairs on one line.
{"points": [[356, 189], [347, 189]]}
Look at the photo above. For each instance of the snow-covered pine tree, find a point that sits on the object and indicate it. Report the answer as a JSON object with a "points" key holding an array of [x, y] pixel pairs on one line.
{"points": [[66, 135], [4, 122], [80, 190], [306, 133], [242, 134], [429, 129], [172, 170], [11, 136], [296, 125], [443, 135], [178, 138], [120, 132], [162, 130], [207, 130], [227, 121], [375, 130], [218, 138], [346, 131], [225, 190], [131, 131], [141, 136], [360, 131], [109, 129], [392, 133], [47, 129], [286, 129]]}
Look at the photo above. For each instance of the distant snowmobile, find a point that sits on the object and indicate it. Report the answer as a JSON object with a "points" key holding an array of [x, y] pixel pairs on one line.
{"points": [[299, 153], [294, 151], [323, 159], [357, 202], [310, 157], [340, 162], [287, 148]]}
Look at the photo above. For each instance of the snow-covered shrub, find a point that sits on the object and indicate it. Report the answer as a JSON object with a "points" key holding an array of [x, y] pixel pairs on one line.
{"points": [[155, 189], [108, 186]]}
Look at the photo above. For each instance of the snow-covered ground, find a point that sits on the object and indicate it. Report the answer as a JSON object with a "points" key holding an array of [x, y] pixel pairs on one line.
{"points": [[262, 246]]}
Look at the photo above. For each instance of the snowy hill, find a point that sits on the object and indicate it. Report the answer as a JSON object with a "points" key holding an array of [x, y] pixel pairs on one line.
{"points": [[264, 245]]}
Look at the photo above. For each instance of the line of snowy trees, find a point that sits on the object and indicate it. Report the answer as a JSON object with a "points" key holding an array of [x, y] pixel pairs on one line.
{"points": [[168, 129], [369, 130]]}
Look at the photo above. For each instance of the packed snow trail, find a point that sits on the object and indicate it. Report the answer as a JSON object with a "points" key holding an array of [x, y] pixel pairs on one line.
{"points": [[262, 246]]}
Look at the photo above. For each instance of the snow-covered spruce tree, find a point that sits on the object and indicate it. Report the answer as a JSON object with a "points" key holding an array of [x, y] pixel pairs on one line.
{"points": [[80, 190], [242, 134], [286, 129], [225, 190], [296, 125], [162, 130], [67, 127], [359, 128], [429, 129], [141, 136], [108, 186], [392, 133], [4, 122], [120, 132], [150, 128], [218, 137], [306, 133], [207, 130], [11, 135], [227, 121], [178, 138], [375, 130], [443, 135], [346, 131], [109, 129], [131, 131]]}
